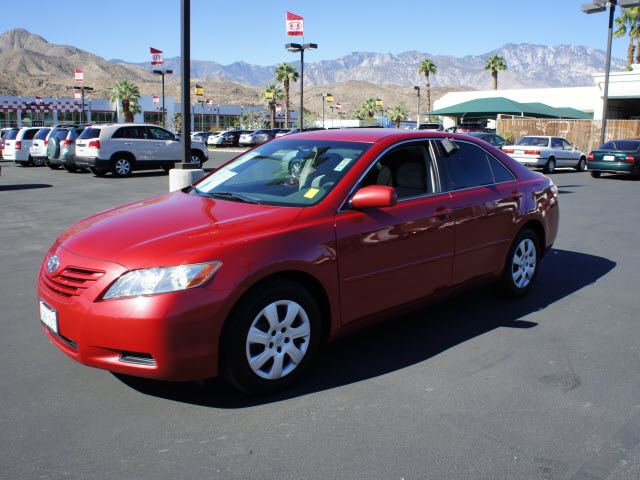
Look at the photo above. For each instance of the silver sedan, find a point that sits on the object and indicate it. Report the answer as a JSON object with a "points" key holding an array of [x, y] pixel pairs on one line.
{"points": [[547, 153]]}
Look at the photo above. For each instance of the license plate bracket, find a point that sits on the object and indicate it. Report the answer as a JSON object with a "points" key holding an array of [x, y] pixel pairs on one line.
{"points": [[49, 317]]}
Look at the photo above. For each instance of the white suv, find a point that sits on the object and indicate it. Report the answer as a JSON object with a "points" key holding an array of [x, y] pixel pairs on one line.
{"points": [[122, 148], [17, 144]]}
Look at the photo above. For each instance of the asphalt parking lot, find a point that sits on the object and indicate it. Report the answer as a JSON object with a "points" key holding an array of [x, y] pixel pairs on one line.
{"points": [[479, 387]]}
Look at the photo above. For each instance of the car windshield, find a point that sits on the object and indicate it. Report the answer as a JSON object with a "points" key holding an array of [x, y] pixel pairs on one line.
{"points": [[534, 141], [283, 172], [624, 145]]}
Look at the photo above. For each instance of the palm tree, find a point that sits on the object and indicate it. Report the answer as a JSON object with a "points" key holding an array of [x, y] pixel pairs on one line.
{"points": [[286, 73], [629, 22], [369, 107], [495, 63], [128, 93], [397, 114], [427, 67], [277, 95]]}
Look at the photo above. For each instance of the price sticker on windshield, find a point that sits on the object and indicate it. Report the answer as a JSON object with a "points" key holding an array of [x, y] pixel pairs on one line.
{"points": [[342, 164]]}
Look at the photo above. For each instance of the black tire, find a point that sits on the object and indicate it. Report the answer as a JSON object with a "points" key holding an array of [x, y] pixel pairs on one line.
{"points": [[38, 161], [197, 158], [53, 166], [283, 351], [122, 166], [596, 174], [582, 165], [522, 265], [550, 166], [98, 172], [70, 168], [53, 148]]}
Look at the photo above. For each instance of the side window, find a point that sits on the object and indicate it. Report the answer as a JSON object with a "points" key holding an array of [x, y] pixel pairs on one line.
{"points": [[160, 134], [501, 173], [556, 143], [121, 133], [139, 133], [499, 141], [409, 169], [467, 167], [29, 134], [566, 145]]}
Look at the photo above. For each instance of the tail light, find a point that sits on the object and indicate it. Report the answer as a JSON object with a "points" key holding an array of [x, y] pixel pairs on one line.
{"points": [[590, 157], [532, 152], [629, 159], [94, 143], [507, 150], [46, 142], [18, 145], [68, 142]]}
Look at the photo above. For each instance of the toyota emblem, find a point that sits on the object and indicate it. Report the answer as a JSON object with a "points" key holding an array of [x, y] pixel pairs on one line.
{"points": [[53, 263]]}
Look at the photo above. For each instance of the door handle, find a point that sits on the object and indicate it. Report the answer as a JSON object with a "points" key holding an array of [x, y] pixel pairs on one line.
{"points": [[444, 212]]}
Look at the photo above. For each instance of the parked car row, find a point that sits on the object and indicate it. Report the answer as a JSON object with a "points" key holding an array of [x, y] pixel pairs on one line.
{"points": [[249, 138], [116, 148]]}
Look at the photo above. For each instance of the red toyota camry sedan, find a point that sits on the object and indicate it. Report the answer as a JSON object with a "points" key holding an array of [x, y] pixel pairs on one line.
{"points": [[296, 242]]}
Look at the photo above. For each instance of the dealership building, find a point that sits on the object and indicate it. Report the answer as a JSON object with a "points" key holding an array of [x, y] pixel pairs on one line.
{"points": [[46, 111]]}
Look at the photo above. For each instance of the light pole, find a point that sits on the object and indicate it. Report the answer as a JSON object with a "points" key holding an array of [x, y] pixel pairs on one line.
{"points": [[82, 89], [329, 98], [417, 87], [271, 102], [185, 50], [379, 105], [296, 47], [163, 72], [597, 7]]}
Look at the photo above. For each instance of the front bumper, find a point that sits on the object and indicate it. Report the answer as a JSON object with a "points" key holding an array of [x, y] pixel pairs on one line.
{"points": [[172, 336]]}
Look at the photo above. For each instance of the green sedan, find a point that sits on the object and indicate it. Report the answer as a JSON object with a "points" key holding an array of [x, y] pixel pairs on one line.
{"points": [[617, 156]]}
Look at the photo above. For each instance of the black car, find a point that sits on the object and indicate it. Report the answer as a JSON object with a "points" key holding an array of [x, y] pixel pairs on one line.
{"points": [[227, 139], [492, 138]]}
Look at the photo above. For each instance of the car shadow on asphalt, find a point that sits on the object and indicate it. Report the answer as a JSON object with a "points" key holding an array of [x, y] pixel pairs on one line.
{"points": [[407, 340], [26, 186]]}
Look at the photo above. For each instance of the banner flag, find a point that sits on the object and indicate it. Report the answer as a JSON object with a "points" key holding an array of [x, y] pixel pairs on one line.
{"points": [[156, 100], [294, 25], [278, 109], [209, 102], [77, 95], [38, 99], [79, 76], [156, 56], [339, 106], [199, 90]]}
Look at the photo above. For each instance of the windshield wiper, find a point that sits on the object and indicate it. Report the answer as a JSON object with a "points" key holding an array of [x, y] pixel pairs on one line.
{"points": [[233, 197]]}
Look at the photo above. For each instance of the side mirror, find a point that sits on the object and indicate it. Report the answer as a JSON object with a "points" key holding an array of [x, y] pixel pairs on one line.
{"points": [[374, 196]]}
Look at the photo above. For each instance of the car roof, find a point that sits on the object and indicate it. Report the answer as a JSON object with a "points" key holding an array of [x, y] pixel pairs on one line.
{"points": [[373, 135]]}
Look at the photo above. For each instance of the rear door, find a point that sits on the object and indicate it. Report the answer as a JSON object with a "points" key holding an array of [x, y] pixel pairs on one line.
{"points": [[486, 202]]}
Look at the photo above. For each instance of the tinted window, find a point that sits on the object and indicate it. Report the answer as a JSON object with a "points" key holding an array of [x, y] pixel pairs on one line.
{"points": [[556, 143], [627, 145], [29, 134], [467, 167], [160, 134], [12, 134], [62, 134], [131, 132], [500, 172], [90, 133], [42, 134]]}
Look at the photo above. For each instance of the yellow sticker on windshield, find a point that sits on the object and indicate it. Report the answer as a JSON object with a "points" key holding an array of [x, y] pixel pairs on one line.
{"points": [[311, 193]]}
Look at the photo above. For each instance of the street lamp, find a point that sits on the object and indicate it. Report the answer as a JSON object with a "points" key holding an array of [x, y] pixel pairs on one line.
{"points": [[597, 7], [82, 88], [162, 73], [296, 47], [417, 87], [329, 98]]}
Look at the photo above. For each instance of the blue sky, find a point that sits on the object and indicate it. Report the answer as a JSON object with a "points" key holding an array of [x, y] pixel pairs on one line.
{"points": [[254, 31]]}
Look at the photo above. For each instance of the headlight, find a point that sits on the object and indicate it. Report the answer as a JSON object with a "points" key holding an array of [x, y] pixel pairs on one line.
{"points": [[151, 281]]}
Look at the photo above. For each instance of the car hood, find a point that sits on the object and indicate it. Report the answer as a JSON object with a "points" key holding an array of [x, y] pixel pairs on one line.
{"points": [[172, 229]]}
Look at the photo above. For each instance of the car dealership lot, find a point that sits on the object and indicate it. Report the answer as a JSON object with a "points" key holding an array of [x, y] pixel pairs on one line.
{"points": [[477, 387]]}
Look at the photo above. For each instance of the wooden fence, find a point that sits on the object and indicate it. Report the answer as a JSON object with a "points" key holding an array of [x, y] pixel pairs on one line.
{"points": [[584, 134]]}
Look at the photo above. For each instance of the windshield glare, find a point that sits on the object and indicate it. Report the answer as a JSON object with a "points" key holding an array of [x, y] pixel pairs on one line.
{"points": [[285, 172], [534, 141]]}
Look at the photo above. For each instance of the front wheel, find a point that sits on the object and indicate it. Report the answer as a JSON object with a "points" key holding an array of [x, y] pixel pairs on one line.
{"points": [[582, 165], [596, 174], [271, 338], [521, 268], [550, 166], [197, 158]]}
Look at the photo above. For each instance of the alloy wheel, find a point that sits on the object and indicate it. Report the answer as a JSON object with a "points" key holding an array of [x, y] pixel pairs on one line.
{"points": [[524, 263]]}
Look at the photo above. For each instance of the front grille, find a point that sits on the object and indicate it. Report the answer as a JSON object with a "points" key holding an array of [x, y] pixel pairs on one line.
{"points": [[72, 281]]}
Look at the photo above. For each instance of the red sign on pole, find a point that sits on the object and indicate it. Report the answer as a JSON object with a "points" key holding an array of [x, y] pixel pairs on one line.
{"points": [[79, 76], [156, 56], [338, 106], [77, 95], [156, 100], [295, 24], [209, 102], [278, 109]]}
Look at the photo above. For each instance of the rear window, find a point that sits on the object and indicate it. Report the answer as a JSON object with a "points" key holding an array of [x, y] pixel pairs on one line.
{"points": [[12, 134], [534, 141], [29, 134], [62, 134], [628, 145], [89, 133], [42, 134]]}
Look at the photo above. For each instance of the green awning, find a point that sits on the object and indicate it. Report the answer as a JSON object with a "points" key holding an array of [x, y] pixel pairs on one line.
{"points": [[492, 107]]}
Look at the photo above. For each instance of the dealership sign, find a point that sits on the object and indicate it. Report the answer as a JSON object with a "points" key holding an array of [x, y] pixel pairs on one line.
{"points": [[156, 56], [79, 76], [294, 25]]}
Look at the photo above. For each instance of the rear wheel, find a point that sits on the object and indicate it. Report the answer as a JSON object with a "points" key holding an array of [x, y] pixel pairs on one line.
{"points": [[582, 165], [271, 338], [122, 167], [197, 158], [521, 269], [596, 174], [70, 168], [52, 166], [550, 166]]}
